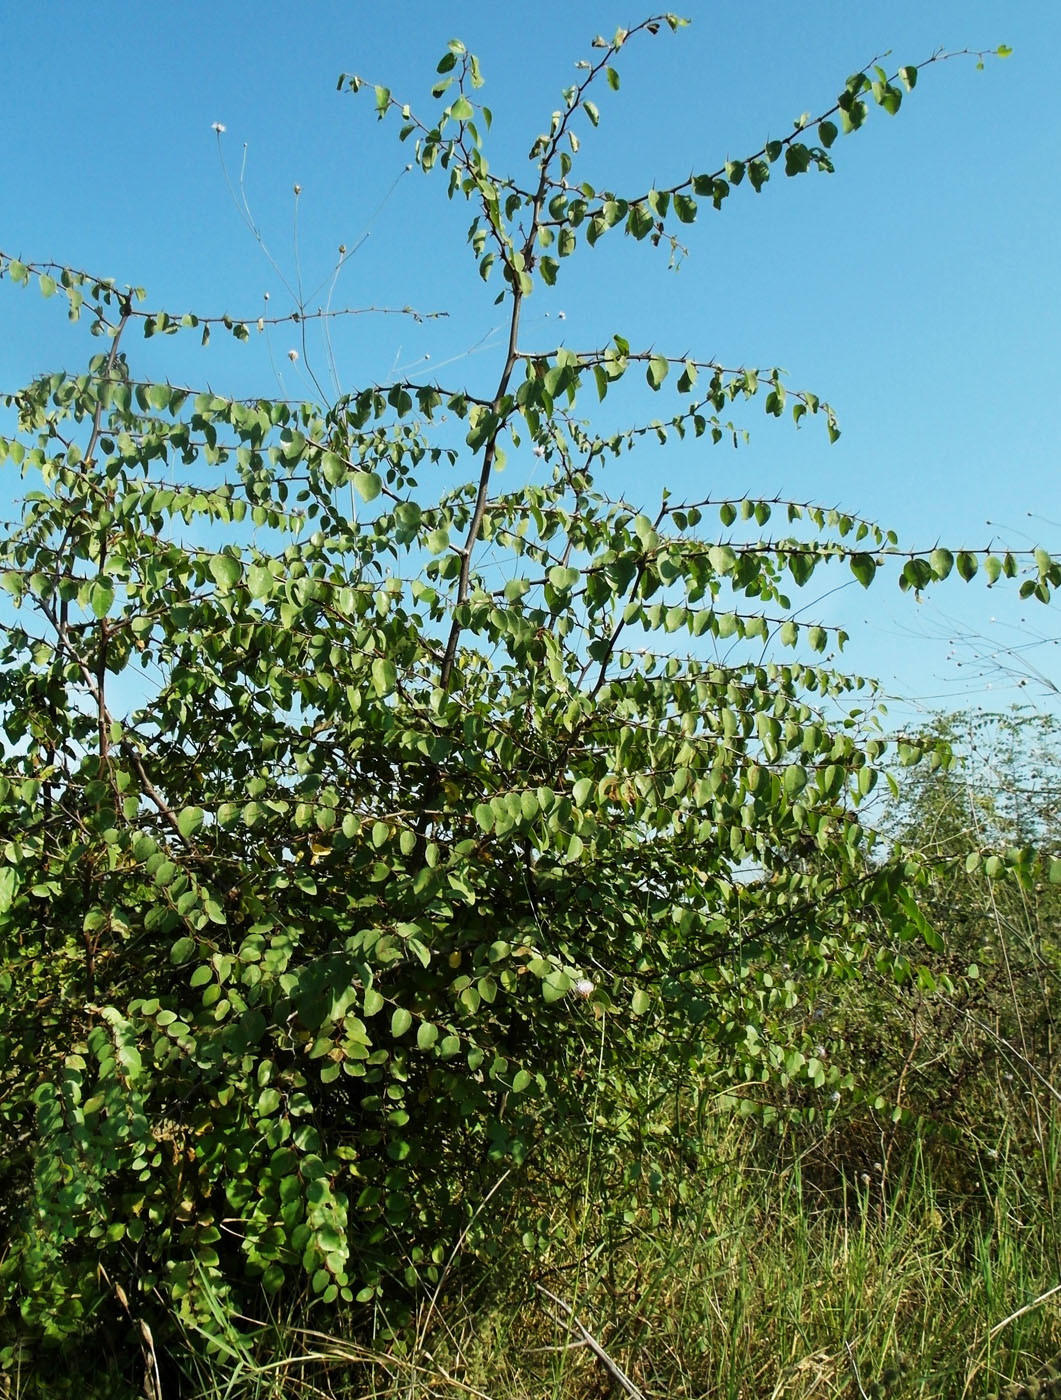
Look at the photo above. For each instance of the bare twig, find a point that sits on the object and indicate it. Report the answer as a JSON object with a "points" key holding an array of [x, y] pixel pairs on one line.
{"points": [[1007, 1045], [854, 1370], [614, 1370], [1027, 1308]]}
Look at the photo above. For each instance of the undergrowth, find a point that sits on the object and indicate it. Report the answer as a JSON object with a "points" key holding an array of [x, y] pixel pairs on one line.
{"points": [[784, 1273]]}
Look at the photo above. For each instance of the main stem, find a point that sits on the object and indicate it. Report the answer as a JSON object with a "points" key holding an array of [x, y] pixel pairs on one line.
{"points": [[489, 456]]}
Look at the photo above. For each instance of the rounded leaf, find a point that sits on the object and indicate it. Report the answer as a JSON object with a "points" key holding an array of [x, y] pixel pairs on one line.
{"points": [[401, 1020], [225, 571], [189, 820]]}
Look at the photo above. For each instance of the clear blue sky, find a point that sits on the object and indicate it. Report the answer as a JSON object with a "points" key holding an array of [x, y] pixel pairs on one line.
{"points": [[918, 289]]}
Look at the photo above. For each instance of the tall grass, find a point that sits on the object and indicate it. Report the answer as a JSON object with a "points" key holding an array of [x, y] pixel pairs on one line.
{"points": [[785, 1273]]}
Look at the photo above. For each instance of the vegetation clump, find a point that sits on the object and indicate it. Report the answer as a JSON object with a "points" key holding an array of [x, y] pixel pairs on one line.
{"points": [[395, 864]]}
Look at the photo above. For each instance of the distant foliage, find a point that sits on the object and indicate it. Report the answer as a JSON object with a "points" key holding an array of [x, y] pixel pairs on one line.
{"points": [[367, 826]]}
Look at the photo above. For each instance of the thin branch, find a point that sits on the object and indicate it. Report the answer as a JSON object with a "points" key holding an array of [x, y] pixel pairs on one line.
{"points": [[614, 1370], [1027, 1308]]}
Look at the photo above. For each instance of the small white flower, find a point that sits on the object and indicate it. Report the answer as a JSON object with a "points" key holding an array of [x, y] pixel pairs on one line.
{"points": [[584, 987], [266, 296], [561, 315], [292, 355], [539, 451], [819, 1052], [298, 189], [834, 1097], [219, 127]]}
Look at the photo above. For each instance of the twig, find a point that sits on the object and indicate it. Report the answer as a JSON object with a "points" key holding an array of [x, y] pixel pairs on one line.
{"points": [[854, 1370], [1027, 1308], [1006, 1045], [616, 1373]]}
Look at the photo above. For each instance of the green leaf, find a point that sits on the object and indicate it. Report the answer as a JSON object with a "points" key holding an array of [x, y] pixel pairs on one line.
{"points": [[368, 485], [793, 780], [640, 1002], [639, 222], [582, 791], [189, 820], [8, 887], [658, 369], [967, 565], [942, 561], [333, 468], [225, 571], [688, 377], [401, 1020], [269, 1101], [426, 1035], [462, 110], [260, 581], [563, 579], [384, 676], [722, 558], [863, 566], [101, 597]]}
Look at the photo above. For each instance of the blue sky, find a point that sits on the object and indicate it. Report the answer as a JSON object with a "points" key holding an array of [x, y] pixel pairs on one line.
{"points": [[918, 289]]}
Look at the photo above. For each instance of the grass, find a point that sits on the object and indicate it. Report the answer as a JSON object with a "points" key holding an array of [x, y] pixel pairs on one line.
{"points": [[782, 1275]]}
